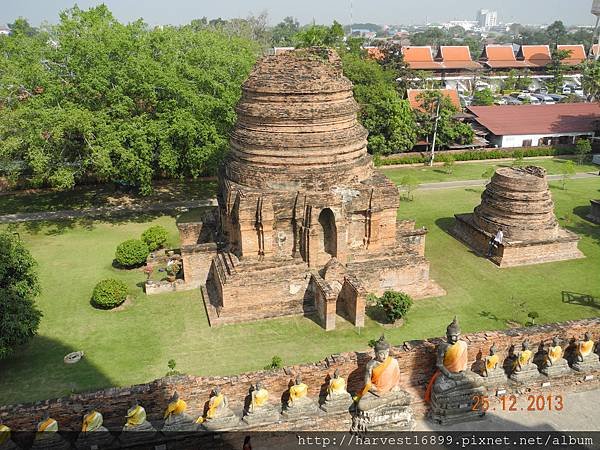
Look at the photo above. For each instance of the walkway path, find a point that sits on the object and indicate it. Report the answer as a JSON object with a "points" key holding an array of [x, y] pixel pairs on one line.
{"points": [[483, 181], [169, 206]]}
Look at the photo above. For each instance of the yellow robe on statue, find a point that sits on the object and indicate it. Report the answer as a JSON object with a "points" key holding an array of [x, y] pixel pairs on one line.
{"points": [[175, 408], [455, 360], [491, 362], [260, 398], [4, 434], [555, 353], [384, 377], [336, 386], [213, 405], [524, 358], [136, 417], [586, 348], [298, 391], [91, 422]]}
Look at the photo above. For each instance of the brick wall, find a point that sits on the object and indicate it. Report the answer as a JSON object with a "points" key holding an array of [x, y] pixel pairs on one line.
{"points": [[416, 361]]}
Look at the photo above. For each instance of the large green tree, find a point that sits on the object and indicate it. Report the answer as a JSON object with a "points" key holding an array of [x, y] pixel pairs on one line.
{"points": [[590, 80], [19, 286], [449, 129], [94, 98], [386, 116], [285, 31]]}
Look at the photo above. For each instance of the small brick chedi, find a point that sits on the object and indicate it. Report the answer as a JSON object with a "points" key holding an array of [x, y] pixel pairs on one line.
{"points": [[517, 201], [305, 223]]}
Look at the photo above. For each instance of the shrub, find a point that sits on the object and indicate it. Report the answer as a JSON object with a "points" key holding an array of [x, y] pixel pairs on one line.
{"points": [[409, 183], [395, 304], [109, 294], [172, 372], [155, 237], [131, 253], [583, 148], [276, 363]]}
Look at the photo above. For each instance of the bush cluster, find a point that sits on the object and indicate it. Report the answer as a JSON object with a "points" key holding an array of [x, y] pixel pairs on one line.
{"points": [[109, 294], [155, 237], [395, 304], [473, 155], [131, 253]]}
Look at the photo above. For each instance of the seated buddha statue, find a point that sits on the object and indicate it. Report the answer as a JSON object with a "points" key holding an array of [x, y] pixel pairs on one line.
{"points": [[381, 404], [554, 363], [136, 420], [259, 409], [47, 436], [585, 359], [299, 403], [523, 368], [338, 398], [175, 416], [89, 437], [218, 414], [492, 371], [453, 388]]}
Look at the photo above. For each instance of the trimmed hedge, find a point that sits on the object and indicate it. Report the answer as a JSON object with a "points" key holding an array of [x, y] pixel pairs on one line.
{"points": [[131, 253], [155, 237], [109, 294], [473, 155]]}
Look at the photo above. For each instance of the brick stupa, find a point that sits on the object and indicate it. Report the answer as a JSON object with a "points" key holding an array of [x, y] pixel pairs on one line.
{"points": [[518, 201], [305, 223]]}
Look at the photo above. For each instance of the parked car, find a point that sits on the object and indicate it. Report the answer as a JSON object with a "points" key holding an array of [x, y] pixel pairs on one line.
{"points": [[542, 90], [543, 98], [511, 100], [556, 97], [528, 98]]}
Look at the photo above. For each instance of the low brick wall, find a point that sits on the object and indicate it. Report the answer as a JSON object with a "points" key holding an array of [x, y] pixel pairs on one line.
{"points": [[416, 361]]}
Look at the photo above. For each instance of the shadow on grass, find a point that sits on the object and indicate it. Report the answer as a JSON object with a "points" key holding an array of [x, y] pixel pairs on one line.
{"points": [[577, 298], [585, 228]]}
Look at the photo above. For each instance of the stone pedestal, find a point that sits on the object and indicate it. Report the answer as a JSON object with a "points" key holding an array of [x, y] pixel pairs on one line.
{"points": [[8, 445], [590, 363], [143, 434], [97, 439], [528, 373], [452, 400], [225, 421], [264, 414], [558, 369], [390, 412], [495, 377], [50, 441], [179, 422], [301, 407], [337, 403]]}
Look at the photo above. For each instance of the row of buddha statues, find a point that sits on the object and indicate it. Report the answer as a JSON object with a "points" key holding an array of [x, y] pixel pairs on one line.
{"points": [[380, 405]]}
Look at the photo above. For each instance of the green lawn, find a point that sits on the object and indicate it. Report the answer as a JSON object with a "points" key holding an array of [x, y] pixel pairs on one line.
{"points": [[133, 345], [475, 170]]}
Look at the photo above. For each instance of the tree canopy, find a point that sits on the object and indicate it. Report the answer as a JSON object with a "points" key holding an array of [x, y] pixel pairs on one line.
{"points": [[19, 286], [92, 98]]}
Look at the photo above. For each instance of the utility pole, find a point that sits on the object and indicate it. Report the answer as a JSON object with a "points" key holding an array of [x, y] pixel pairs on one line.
{"points": [[435, 127]]}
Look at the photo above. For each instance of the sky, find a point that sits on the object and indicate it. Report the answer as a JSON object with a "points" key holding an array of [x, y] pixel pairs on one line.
{"points": [[154, 12]]}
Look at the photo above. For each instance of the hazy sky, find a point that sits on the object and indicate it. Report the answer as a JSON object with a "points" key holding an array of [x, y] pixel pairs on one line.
{"points": [[323, 11]]}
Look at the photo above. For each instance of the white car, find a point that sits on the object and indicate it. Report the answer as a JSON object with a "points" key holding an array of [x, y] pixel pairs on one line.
{"points": [[528, 98]]}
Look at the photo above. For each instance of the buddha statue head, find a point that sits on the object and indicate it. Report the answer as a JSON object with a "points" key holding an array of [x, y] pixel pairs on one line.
{"points": [[336, 374], [525, 345], [555, 341], [216, 391], [259, 386], [587, 336], [382, 349], [493, 349], [298, 380], [174, 397], [453, 331]]}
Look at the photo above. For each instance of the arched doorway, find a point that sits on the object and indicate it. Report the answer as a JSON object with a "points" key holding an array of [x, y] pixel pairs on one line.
{"points": [[327, 221]]}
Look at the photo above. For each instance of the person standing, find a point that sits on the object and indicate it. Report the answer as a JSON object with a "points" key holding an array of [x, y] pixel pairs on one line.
{"points": [[495, 242]]}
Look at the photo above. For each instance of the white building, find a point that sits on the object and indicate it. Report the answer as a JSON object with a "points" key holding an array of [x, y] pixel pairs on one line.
{"points": [[487, 19]]}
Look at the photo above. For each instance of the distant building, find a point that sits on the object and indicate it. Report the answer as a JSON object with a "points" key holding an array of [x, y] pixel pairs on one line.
{"points": [[533, 125], [487, 19], [4, 30]]}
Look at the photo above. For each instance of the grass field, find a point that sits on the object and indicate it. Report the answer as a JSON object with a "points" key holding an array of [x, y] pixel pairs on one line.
{"points": [[475, 170], [133, 345]]}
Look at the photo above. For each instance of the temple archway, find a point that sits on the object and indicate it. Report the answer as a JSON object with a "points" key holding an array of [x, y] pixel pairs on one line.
{"points": [[327, 221]]}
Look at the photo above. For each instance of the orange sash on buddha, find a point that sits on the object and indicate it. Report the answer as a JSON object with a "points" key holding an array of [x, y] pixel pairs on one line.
{"points": [[455, 360], [586, 348], [385, 377]]}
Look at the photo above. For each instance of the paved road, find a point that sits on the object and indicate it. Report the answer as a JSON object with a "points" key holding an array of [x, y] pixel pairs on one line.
{"points": [[107, 211], [483, 181]]}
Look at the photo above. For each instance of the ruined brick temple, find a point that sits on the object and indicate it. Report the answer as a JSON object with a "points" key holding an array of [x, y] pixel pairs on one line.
{"points": [[518, 200], [305, 223]]}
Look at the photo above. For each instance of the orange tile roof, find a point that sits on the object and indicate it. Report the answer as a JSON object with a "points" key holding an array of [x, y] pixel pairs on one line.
{"points": [[595, 49], [456, 57], [535, 55], [415, 103], [577, 55], [538, 119], [420, 58], [500, 57]]}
